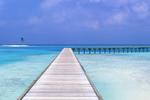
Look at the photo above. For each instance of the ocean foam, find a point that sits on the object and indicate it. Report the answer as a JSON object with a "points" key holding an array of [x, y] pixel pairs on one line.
{"points": [[15, 46]]}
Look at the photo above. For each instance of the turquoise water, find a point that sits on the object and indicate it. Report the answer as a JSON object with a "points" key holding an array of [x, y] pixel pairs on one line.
{"points": [[119, 76], [20, 66], [116, 76]]}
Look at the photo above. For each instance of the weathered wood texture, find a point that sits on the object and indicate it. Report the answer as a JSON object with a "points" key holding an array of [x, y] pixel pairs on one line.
{"points": [[63, 80]]}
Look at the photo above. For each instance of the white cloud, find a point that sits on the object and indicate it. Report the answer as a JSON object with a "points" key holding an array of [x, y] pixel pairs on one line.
{"points": [[117, 18], [95, 1], [117, 3], [92, 24], [46, 4], [141, 9], [91, 18], [113, 2]]}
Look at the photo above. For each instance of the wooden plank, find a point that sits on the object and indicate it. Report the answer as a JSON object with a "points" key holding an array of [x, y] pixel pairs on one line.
{"points": [[60, 98], [63, 80]]}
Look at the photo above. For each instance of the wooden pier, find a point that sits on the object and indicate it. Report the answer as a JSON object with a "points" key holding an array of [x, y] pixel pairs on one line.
{"points": [[64, 79], [112, 50]]}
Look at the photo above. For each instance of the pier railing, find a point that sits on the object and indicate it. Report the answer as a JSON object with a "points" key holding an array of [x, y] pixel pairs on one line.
{"points": [[109, 50]]}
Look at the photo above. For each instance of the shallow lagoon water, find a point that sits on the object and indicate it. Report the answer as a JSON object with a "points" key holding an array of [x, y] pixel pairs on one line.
{"points": [[119, 76], [116, 76], [20, 66]]}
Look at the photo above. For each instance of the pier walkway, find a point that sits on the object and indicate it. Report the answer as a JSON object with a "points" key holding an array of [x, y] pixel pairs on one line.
{"points": [[64, 79]]}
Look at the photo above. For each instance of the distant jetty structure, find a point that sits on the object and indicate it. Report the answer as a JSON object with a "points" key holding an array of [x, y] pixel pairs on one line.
{"points": [[111, 50]]}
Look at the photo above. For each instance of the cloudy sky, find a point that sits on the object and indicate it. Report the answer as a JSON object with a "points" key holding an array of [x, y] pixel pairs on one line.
{"points": [[75, 21]]}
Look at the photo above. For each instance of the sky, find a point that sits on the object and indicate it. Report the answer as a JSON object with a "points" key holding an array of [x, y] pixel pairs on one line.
{"points": [[75, 21]]}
